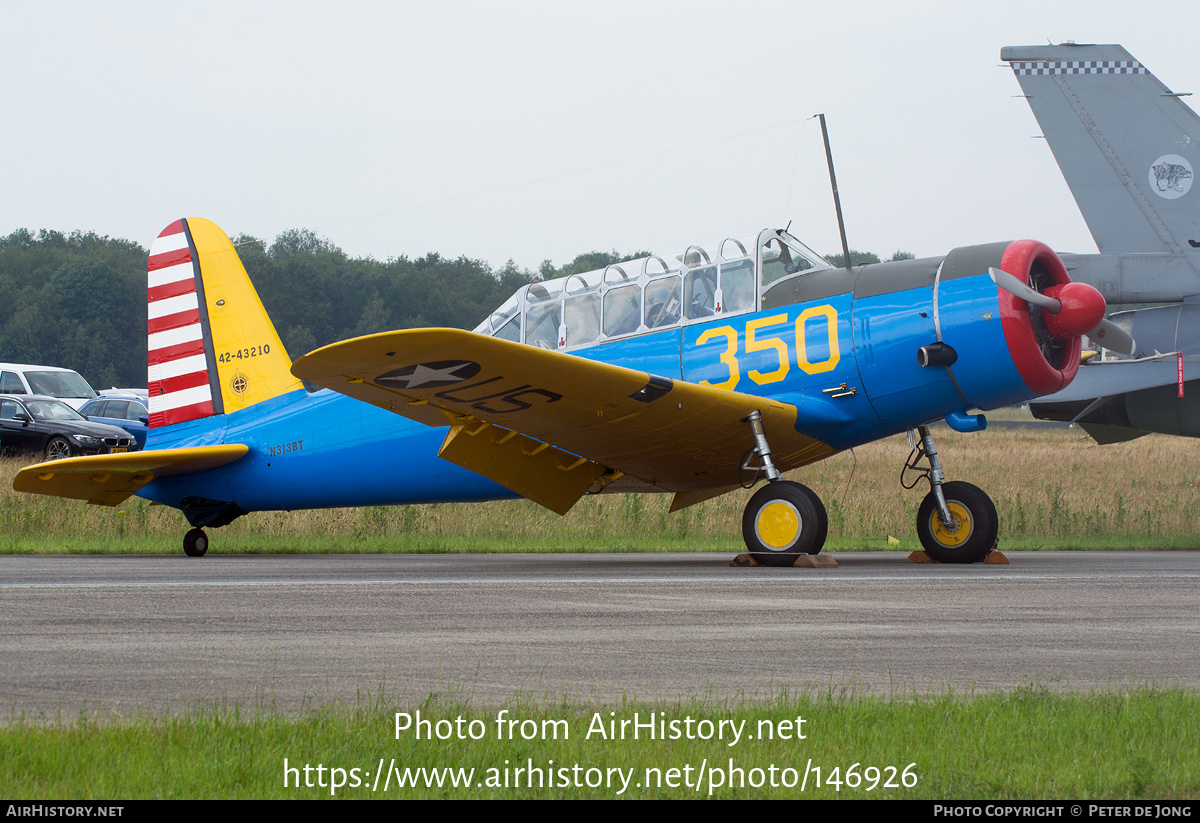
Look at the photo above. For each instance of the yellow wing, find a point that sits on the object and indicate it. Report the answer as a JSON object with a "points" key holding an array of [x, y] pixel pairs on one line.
{"points": [[551, 426], [108, 479]]}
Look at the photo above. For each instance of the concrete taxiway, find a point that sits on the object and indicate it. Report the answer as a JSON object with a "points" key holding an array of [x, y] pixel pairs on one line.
{"points": [[142, 633]]}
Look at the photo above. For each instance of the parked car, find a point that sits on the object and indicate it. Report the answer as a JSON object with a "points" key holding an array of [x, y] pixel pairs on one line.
{"points": [[128, 413], [44, 425], [142, 394], [51, 381]]}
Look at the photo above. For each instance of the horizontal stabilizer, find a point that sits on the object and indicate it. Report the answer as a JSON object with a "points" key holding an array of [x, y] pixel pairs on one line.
{"points": [[1106, 435], [1113, 377], [108, 479]]}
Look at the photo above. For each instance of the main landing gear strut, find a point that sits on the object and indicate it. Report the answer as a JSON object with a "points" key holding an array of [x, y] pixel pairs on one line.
{"points": [[783, 520], [957, 521]]}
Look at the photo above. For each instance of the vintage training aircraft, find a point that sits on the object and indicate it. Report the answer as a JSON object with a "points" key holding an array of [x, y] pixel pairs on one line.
{"points": [[694, 374], [1127, 146]]}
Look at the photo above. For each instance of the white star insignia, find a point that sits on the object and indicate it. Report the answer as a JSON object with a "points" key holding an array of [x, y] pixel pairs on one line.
{"points": [[429, 374], [423, 375]]}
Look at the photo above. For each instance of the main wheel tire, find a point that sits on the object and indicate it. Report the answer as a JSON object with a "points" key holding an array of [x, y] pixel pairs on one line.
{"points": [[195, 543], [977, 524], [782, 521], [822, 518], [58, 448]]}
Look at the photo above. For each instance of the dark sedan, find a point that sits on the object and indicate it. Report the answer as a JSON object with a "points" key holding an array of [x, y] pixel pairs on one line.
{"points": [[43, 425]]}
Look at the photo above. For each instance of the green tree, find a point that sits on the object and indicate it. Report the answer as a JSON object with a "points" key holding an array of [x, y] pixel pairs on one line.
{"points": [[857, 258], [301, 241], [591, 261], [86, 296], [76, 300]]}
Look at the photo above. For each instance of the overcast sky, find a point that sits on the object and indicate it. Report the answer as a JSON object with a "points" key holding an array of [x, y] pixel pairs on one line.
{"points": [[539, 130]]}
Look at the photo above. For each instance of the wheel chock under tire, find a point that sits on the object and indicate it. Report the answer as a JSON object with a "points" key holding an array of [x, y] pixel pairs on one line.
{"points": [[814, 561]]}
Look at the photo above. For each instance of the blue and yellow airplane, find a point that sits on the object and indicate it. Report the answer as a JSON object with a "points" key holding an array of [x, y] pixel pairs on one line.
{"points": [[694, 374]]}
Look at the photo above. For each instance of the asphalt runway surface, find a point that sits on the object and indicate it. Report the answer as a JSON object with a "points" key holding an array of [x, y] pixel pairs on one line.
{"points": [[154, 634]]}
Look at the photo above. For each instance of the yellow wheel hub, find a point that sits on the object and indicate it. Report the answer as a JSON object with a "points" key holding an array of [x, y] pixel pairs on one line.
{"points": [[778, 525], [943, 535]]}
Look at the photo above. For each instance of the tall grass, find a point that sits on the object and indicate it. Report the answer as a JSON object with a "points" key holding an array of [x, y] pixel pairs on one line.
{"points": [[1028, 744], [1052, 488]]}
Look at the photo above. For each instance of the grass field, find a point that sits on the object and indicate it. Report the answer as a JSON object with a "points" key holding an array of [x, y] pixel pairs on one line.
{"points": [[1029, 744], [1052, 488]]}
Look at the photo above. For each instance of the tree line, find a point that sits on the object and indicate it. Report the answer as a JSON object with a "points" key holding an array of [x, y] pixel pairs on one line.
{"points": [[78, 299]]}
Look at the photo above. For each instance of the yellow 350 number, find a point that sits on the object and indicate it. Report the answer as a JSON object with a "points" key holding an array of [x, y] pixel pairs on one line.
{"points": [[759, 339]]}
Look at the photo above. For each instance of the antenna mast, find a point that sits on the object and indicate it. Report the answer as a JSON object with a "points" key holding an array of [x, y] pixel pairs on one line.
{"points": [[837, 202]]}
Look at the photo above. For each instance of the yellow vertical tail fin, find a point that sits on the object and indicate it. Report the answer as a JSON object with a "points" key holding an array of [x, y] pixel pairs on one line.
{"points": [[212, 348]]}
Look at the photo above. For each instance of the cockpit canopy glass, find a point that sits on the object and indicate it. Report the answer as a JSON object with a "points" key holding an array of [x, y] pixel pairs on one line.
{"points": [[704, 281]]}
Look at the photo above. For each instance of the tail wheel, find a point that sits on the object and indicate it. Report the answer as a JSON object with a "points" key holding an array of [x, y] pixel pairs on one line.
{"points": [[195, 543], [782, 521], [976, 524]]}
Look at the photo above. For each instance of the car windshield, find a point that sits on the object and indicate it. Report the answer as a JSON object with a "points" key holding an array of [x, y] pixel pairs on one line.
{"points": [[58, 384], [52, 410]]}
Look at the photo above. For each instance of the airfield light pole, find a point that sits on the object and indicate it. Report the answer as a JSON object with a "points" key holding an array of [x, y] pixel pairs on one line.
{"points": [[837, 202]]}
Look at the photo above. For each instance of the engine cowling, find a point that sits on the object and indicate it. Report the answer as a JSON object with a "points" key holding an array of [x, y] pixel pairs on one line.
{"points": [[940, 333], [1045, 345]]}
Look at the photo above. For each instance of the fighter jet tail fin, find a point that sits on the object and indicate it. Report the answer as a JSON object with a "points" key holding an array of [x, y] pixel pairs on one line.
{"points": [[1127, 145]]}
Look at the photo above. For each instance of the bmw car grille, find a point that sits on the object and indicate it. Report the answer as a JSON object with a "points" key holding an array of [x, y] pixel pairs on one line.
{"points": [[117, 441]]}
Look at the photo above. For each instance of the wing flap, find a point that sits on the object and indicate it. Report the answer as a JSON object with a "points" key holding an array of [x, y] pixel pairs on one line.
{"points": [[675, 435], [109, 479], [532, 468]]}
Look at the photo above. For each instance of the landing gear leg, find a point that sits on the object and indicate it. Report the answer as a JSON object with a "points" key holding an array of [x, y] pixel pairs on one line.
{"points": [[195, 543], [957, 521], [783, 519]]}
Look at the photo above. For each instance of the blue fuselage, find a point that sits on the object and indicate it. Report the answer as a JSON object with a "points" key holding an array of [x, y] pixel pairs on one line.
{"points": [[847, 362]]}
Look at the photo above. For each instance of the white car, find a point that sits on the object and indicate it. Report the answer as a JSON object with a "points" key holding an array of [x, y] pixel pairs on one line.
{"points": [[51, 381]]}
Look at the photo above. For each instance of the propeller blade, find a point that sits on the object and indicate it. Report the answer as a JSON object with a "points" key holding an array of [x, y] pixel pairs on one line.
{"points": [[1023, 290], [1111, 336]]}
